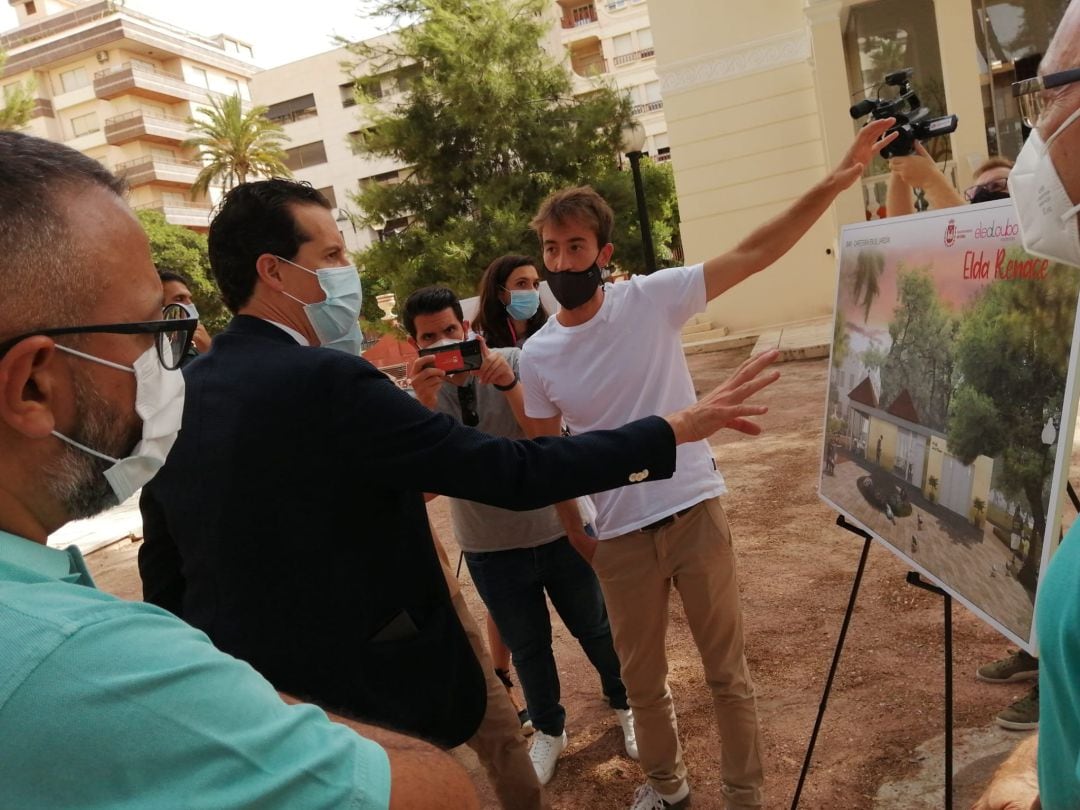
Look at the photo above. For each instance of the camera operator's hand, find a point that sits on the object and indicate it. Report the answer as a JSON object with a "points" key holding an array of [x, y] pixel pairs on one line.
{"points": [[917, 170], [868, 143], [426, 379], [495, 370], [725, 406]]}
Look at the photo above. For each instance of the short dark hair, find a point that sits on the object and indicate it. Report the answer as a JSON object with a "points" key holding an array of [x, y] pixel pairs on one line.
{"points": [[168, 275], [253, 219], [581, 203], [429, 301], [490, 319], [42, 282]]}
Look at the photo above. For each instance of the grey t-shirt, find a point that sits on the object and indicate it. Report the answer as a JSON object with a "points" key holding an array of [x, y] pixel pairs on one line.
{"points": [[480, 527]]}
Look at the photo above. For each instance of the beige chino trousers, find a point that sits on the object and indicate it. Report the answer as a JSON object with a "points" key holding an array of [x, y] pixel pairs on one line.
{"points": [[636, 572]]}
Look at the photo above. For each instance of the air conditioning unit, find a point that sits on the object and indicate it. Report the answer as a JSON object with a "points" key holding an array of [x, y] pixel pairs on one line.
{"points": [[102, 57]]}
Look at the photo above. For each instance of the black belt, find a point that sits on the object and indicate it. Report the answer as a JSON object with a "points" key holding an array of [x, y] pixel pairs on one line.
{"points": [[665, 521]]}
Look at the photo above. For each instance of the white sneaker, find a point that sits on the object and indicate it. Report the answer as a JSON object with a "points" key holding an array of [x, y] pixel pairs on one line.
{"points": [[626, 720], [544, 753], [646, 798]]}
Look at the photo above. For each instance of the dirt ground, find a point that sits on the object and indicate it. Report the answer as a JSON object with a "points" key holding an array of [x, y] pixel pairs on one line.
{"points": [[796, 568]]}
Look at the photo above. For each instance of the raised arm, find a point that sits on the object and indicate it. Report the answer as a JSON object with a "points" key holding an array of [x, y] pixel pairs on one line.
{"points": [[920, 171], [777, 236]]}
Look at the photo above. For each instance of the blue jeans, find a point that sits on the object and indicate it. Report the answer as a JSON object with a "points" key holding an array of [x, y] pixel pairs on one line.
{"points": [[512, 584]]}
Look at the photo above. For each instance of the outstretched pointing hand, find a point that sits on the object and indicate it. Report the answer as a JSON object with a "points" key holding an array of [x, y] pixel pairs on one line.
{"points": [[725, 406]]}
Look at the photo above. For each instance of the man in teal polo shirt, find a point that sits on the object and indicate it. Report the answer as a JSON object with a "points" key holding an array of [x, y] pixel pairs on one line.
{"points": [[106, 703], [1044, 771]]}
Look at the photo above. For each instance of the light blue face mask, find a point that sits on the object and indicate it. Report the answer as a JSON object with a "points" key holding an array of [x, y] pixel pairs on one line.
{"points": [[335, 320], [523, 304]]}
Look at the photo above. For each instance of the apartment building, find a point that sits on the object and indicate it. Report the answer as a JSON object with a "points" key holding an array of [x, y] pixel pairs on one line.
{"points": [[312, 98], [119, 86], [611, 41]]}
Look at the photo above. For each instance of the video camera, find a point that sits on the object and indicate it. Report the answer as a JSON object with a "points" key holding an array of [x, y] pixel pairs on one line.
{"points": [[913, 121]]}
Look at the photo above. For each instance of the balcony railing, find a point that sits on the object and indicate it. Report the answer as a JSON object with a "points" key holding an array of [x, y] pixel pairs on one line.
{"points": [[649, 106], [42, 108], [188, 214], [634, 56], [588, 69], [148, 126], [584, 15], [133, 77], [167, 171]]}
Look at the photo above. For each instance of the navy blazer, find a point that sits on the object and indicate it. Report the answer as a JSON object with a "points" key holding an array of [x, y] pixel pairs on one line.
{"points": [[288, 523]]}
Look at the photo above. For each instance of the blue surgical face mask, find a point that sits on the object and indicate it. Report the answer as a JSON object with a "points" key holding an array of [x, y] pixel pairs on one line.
{"points": [[335, 319], [523, 304]]}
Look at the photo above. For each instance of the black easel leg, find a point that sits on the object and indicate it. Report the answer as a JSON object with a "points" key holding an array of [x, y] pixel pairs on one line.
{"points": [[840, 521], [913, 578], [948, 704], [1072, 495]]}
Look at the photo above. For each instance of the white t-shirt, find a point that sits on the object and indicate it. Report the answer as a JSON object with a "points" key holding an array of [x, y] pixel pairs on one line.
{"points": [[624, 364]]}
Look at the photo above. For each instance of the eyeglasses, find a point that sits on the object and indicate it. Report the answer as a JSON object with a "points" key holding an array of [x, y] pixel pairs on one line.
{"points": [[172, 334], [466, 397], [993, 187], [1029, 93]]}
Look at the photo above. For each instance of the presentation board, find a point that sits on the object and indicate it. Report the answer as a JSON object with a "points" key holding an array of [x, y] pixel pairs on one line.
{"points": [[952, 372]]}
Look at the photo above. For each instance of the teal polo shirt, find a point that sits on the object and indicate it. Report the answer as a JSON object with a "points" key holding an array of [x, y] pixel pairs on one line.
{"points": [[120, 705], [1057, 616]]}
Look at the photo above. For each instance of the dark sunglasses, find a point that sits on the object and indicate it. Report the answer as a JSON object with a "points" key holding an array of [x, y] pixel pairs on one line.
{"points": [[993, 187], [466, 397], [172, 334]]}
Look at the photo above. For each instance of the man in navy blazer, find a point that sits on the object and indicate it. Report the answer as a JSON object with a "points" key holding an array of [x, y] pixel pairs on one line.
{"points": [[289, 523]]}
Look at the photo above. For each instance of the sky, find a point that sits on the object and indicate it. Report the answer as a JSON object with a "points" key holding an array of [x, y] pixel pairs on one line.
{"points": [[277, 37]]}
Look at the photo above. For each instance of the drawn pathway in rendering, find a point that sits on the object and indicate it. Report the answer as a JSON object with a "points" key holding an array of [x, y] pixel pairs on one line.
{"points": [[975, 566]]}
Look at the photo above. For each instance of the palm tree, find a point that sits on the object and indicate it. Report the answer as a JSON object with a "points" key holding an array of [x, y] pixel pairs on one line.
{"points": [[234, 144], [869, 265]]}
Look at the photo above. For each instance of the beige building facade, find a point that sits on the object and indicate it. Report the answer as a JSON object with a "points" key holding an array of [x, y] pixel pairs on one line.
{"points": [[119, 86], [756, 97]]}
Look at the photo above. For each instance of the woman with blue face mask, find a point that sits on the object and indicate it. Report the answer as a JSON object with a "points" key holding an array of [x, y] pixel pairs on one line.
{"points": [[510, 310]]}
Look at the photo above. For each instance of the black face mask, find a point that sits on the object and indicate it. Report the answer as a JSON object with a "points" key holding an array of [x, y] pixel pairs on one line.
{"points": [[573, 288], [985, 195]]}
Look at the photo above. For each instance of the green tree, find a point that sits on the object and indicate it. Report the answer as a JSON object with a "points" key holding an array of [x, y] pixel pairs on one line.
{"points": [[920, 358], [617, 187], [1013, 356], [235, 145], [488, 125], [17, 102], [184, 251]]}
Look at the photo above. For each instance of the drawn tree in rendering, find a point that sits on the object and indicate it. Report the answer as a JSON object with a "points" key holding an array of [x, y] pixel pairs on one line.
{"points": [[1012, 353], [920, 359], [865, 287]]}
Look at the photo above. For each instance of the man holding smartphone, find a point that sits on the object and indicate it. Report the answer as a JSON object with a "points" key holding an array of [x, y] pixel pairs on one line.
{"points": [[518, 560]]}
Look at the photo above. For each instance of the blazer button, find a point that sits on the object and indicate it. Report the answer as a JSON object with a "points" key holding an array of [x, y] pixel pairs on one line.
{"points": [[644, 474]]}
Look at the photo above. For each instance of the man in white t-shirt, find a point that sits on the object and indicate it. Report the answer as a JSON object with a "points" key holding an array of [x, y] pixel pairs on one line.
{"points": [[614, 353]]}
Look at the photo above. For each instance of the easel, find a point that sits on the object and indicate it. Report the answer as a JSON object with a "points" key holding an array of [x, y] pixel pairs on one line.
{"points": [[913, 578]]}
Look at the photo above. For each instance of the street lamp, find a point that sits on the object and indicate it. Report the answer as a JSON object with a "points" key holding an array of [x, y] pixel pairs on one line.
{"points": [[633, 140], [344, 216]]}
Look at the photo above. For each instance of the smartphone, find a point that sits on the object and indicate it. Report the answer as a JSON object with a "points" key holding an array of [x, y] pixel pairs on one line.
{"points": [[464, 356]]}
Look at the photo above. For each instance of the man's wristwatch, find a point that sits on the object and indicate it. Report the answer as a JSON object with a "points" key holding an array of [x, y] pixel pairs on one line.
{"points": [[498, 387]]}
